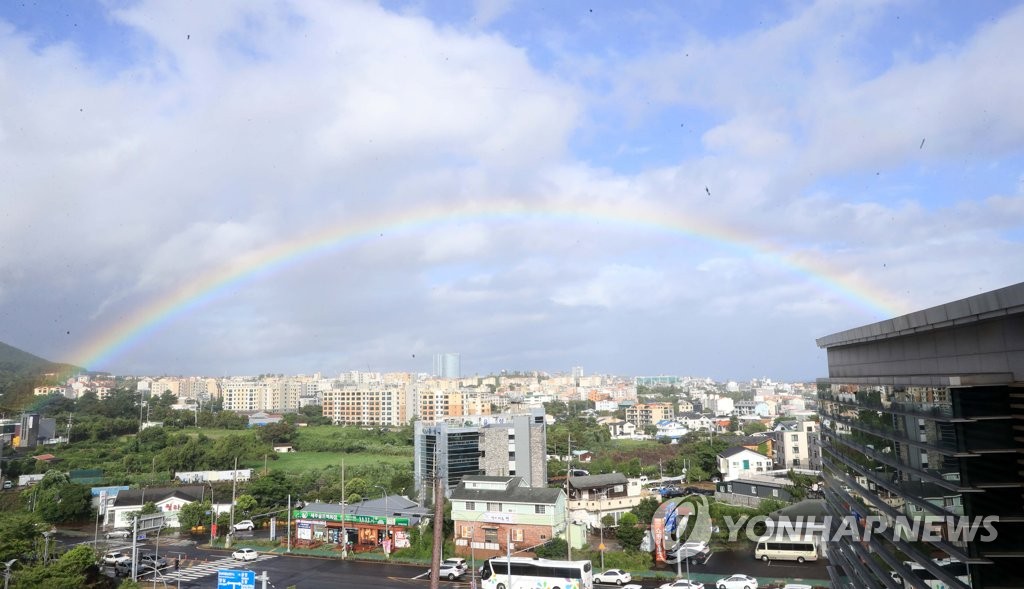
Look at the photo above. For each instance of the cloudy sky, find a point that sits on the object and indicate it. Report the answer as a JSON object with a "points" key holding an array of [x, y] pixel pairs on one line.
{"points": [[695, 188]]}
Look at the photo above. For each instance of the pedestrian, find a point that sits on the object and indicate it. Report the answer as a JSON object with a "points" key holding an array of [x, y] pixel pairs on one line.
{"points": [[177, 564]]}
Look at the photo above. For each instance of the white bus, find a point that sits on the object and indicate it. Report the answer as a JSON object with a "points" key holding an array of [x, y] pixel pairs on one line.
{"points": [[785, 549], [536, 573]]}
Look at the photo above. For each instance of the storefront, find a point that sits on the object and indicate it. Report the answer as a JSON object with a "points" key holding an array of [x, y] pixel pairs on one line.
{"points": [[326, 523]]}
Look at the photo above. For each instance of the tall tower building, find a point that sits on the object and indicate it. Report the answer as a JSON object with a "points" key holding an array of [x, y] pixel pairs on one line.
{"points": [[921, 422], [448, 365]]}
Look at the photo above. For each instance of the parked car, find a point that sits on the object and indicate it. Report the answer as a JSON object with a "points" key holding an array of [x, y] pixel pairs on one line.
{"points": [[112, 558], [451, 570], [682, 584], [8, 484], [616, 576], [699, 491], [122, 533], [245, 554], [245, 525], [737, 582], [695, 552], [670, 492]]}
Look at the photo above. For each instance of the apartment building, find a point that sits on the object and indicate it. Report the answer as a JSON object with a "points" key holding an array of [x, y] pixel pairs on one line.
{"points": [[644, 414], [376, 404], [925, 408], [797, 445]]}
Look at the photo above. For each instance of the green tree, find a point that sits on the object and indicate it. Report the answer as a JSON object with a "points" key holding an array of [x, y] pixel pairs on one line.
{"points": [[277, 433], [696, 473], [194, 514], [644, 510], [75, 569], [18, 534], [246, 505], [754, 427], [555, 548], [629, 534], [734, 423]]}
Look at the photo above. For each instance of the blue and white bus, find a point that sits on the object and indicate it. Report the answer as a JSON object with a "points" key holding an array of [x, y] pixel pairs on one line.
{"points": [[536, 573]]}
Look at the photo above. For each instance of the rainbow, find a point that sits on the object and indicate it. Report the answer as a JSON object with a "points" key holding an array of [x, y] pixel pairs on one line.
{"points": [[145, 320]]}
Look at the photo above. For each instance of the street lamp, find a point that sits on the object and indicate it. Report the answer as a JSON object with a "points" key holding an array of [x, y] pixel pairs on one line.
{"points": [[386, 543], [7, 571], [600, 521]]}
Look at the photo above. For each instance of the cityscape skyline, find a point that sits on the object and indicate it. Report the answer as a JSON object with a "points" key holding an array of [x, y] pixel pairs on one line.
{"points": [[668, 188]]}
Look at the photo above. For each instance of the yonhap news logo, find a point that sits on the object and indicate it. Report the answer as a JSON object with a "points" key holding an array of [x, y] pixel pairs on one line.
{"points": [[688, 520], [857, 528]]}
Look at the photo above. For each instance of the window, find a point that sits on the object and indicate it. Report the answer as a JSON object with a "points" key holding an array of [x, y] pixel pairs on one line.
{"points": [[517, 535], [467, 532], [753, 489], [540, 509], [470, 506], [494, 507], [728, 488], [775, 492], [794, 437], [511, 455], [796, 449], [491, 535]]}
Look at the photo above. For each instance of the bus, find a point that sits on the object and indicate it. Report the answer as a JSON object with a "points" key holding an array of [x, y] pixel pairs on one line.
{"points": [[519, 572], [785, 549]]}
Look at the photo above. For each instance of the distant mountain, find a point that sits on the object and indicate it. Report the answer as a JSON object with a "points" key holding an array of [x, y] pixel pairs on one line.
{"points": [[20, 372]]}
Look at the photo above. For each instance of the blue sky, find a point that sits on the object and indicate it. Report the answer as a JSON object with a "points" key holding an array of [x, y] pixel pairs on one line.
{"points": [[149, 144]]}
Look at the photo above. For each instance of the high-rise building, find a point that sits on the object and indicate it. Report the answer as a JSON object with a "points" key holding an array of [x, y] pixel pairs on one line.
{"points": [[921, 420], [448, 365]]}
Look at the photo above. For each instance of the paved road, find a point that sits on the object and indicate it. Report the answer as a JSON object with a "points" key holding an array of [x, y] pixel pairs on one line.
{"points": [[199, 566]]}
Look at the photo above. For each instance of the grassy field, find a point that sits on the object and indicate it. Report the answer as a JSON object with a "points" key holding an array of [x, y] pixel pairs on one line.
{"points": [[302, 461]]}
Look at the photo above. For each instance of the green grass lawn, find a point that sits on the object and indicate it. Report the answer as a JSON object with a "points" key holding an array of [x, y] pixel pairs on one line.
{"points": [[291, 462]]}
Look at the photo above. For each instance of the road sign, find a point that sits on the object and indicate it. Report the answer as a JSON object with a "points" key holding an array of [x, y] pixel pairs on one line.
{"points": [[235, 579], [153, 521]]}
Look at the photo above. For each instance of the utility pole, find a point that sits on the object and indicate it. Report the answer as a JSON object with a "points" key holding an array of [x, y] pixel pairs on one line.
{"points": [[436, 554], [344, 499], [231, 524], [289, 534], [568, 475]]}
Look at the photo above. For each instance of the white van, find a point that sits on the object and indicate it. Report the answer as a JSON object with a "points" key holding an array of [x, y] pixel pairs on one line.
{"points": [[785, 549]]}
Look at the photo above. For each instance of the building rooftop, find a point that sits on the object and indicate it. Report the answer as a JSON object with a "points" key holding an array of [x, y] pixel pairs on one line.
{"points": [[996, 303], [598, 480]]}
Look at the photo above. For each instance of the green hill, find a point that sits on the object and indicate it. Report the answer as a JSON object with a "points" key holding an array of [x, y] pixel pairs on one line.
{"points": [[21, 371]]}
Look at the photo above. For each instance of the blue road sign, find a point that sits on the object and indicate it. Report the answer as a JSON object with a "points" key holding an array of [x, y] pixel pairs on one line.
{"points": [[234, 579]]}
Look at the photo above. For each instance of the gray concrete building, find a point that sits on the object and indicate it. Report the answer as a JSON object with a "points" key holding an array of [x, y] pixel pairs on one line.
{"points": [[490, 445], [922, 421]]}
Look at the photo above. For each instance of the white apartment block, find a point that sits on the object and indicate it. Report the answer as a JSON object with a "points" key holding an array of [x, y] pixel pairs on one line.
{"points": [[797, 445]]}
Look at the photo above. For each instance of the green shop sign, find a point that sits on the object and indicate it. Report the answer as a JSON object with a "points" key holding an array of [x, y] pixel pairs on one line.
{"points": [[350, 518]]}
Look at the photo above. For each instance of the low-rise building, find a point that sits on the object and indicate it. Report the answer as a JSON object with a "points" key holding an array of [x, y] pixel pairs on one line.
{"points": [[492, 512], [593, 497], [737, 462], [168, 500], [373, 524]]}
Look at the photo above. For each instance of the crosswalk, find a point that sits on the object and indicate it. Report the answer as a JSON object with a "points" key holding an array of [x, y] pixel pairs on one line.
{"points": [[198, 571]]}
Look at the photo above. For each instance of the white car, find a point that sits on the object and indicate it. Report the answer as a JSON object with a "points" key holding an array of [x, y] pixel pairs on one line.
{"points": [[245, 554], [451, 570], [682, 584], [616, 576], [737, 582], [245, 525]]}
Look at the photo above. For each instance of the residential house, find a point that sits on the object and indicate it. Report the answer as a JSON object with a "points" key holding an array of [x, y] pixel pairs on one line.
{"points": [[695, 421], [593, 497], [490, 512], [737, 462]]}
